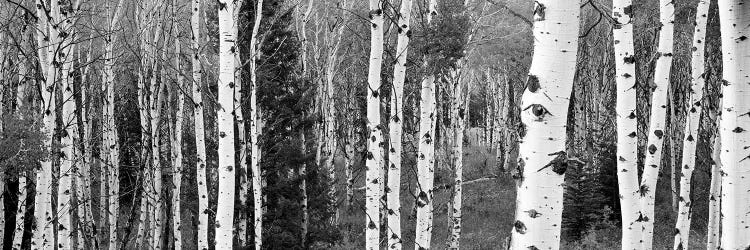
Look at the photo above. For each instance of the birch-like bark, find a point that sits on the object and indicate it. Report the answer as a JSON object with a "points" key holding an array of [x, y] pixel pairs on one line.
{"points": [[545, 103], [647, 188], [714, 208], [143, 117], [225, 208], [256, 126], [627, 139], [199, 126], [144, 18], [426, 153], [22, 106], [375, 152], [177, 141], [330, 113], [47, 39], [735, 198], [242, 187], [458, 111], [157, 96], [303, 189], [112, 145], [695, 106], [395, 126], [68, 159]]}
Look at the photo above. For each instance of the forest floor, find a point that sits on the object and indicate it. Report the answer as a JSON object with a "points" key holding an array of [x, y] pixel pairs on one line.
{"points": [[488, 212]]}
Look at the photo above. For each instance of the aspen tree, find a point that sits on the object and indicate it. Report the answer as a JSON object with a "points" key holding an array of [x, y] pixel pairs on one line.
{"points": [[157, 96], [225, 208], [68, 154], [199, 126], [142, 115], [145, 73], [48, 41], [695, 106], [330, 109], [256, 126], [375, 152], [396, 126], [735, 198], [647, 188], [302, 172], [713, 232], [111, 144], [627, 140], [177, 139], [458, 111], [241, 134], [542, 160], [83, 177], [426, 154], [303, 188]]}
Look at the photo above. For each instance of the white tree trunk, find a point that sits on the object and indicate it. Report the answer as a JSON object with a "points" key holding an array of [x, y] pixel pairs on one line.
{"points": [[303, 189], [112, 146], [256, 127], [735, 198], [145, 15], [375, 152], [713, 233], [627, 139], [177, 143], [158, 94], [647, 189], [396, 130], [695, 106], [458, 111], [83, 179], [545, 102], [225, 208], [426, 153], [68, 159], [42, 231], [200, 137]]}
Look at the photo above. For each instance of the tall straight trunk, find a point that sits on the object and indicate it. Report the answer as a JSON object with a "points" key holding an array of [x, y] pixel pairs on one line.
{"points": [[157, 96], [83, 179], [426, 153], [375, 152], [302, 172], [199, 126], [545, 110], [647, 188], [241, 134], [225, 208], [256, 127], [330, 115], [144, 17], [682, 234], [177, 141], [627, 139], [303, 189], [349, 161], [42, 232], [458, 111], [112, 143], [735, 198], [714, 203], [68, 154], [396, 127]]}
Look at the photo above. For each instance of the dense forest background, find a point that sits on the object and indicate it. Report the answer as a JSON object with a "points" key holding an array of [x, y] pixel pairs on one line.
{"points": [[490, 39]]}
